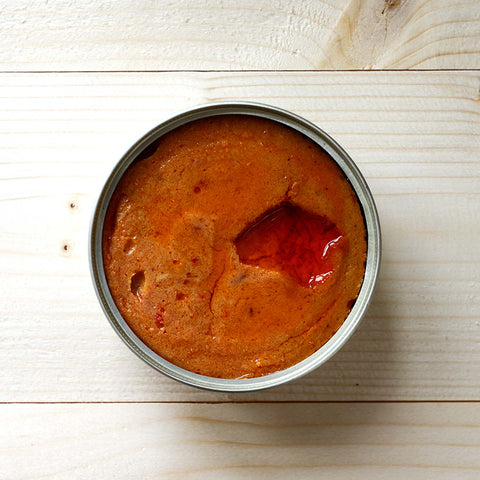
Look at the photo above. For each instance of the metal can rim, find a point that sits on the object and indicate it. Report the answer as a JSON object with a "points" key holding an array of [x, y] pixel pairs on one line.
{"points": [[350, 324]]}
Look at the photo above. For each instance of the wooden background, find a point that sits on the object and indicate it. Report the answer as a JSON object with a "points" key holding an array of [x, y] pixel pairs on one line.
{"points": [[397, 83]]}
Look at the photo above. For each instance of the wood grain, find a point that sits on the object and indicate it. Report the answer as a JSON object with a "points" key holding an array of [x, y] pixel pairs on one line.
{"points": [[233, 441], [254, 34], [415, 136]]}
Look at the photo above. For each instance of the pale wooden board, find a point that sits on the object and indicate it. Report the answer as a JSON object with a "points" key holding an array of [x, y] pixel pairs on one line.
{"points": [[416, 138], [233, 441], [252, 34]]}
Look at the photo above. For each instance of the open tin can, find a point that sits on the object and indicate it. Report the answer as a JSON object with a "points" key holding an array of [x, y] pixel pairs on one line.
{"points": [[351, 172]]}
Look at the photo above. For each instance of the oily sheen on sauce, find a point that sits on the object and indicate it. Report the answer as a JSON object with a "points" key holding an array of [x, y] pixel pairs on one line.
{"points": [[293, 241]]}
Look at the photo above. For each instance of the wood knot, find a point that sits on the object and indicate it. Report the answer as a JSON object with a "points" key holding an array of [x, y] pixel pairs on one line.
{"points": [[66, 248], [388, 4]]}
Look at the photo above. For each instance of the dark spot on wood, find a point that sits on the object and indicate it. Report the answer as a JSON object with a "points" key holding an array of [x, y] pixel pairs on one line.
{"points": [[180, 296], [390, 4]]}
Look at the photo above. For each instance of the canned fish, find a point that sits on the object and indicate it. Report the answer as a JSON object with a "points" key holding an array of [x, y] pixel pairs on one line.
{"points": [[221, 321]]}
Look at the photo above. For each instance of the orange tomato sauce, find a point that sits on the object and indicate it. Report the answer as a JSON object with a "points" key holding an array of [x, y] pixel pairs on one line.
{"points": [[236, 248]]}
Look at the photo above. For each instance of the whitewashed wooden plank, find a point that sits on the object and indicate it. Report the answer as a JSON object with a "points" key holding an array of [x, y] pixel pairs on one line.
{"points": [[252, 34], [233, 441], [421, 337]]}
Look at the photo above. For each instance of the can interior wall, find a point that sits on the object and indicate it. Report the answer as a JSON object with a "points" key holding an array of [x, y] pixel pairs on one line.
{"points": [[352, 173]]}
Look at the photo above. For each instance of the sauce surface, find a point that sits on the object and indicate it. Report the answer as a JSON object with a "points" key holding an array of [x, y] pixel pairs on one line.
{"points": [[291, 240], [235, 247]]}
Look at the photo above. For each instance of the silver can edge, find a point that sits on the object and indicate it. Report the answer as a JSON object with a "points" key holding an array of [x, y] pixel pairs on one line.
{"points": [[350, 324]]}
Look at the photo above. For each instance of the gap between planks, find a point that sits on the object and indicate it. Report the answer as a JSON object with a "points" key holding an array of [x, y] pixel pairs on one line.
{"points": [[241, 402], [273, 70]]}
